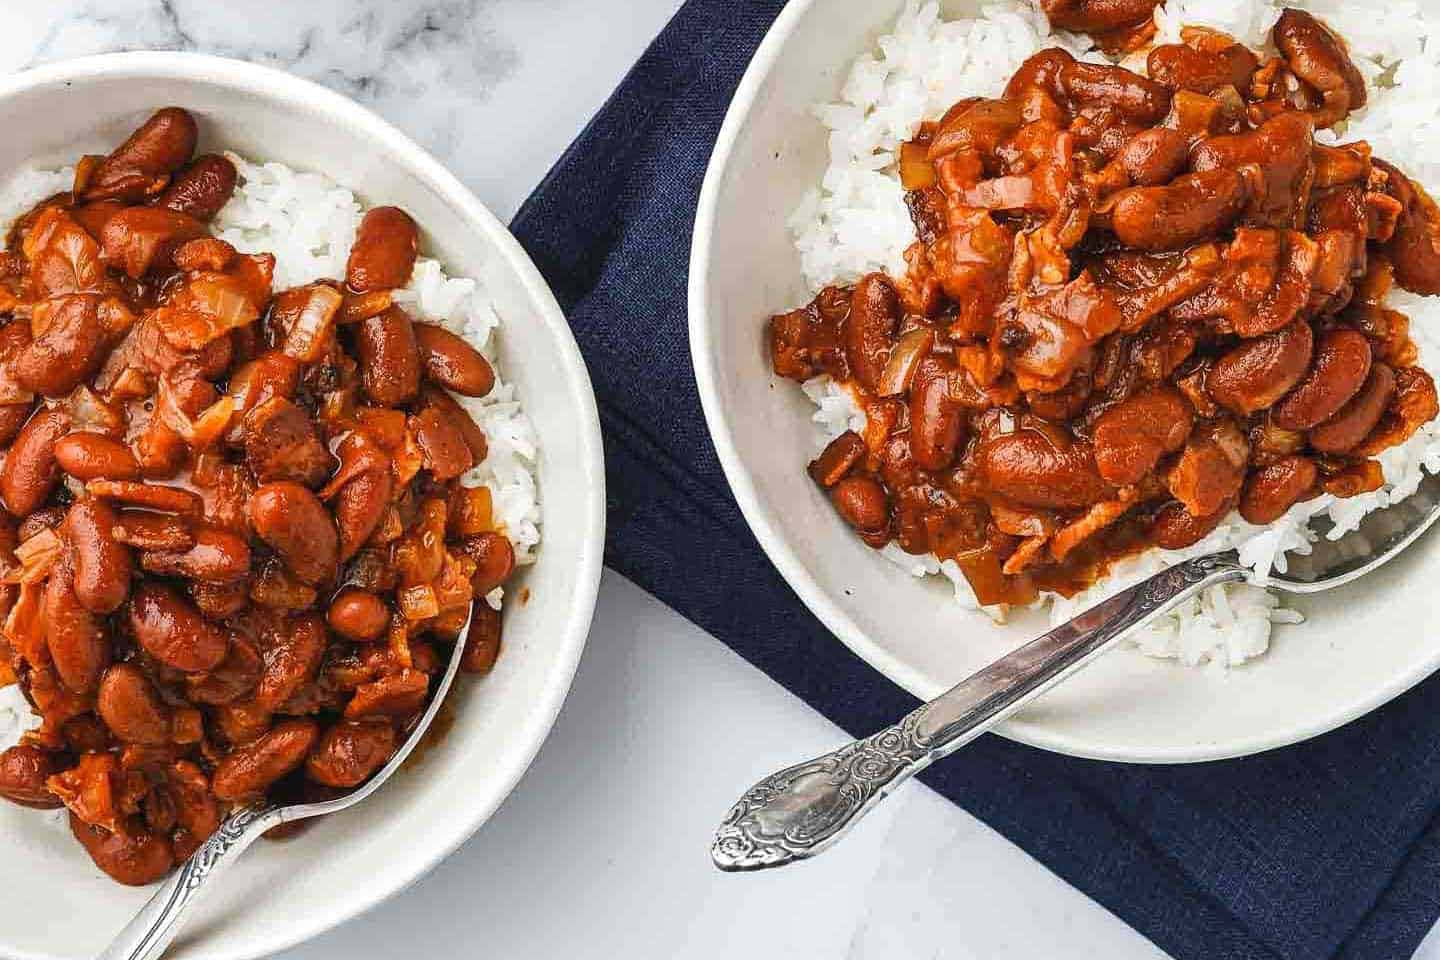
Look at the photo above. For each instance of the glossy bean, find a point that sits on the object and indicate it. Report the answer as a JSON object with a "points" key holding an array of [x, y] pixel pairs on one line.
{"points": [[358, 615], [248, 770], [1190, 208], [348, 753], [102, 564], [23, 771], [134, 858], [31, 470], [131, 706], [94, 456], [294, 522], [1353, 423], [202, 188], [66, 352], [1341, 365], [359, 506], [1175, 528], [1132, 436], [172, 631], [482, 641], [141, 165], [389, 358], [1274, 489], [874, 313], [216, 556], [384, 252], [1033, 469], [494, 558], [1258, 372], [1155, 156], [453, 363], [861, 500], [75, 637]]}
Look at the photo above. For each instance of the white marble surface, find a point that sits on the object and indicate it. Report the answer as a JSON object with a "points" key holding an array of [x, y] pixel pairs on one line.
{"points": [[601, 851]]}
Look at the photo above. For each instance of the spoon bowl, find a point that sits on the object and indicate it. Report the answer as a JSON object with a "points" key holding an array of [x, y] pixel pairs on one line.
{"points": [[800, 811]]}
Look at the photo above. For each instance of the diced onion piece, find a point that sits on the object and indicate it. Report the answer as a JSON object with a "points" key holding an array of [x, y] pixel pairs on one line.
{"points": [[399, 638], [472, 511], [408, 460], [307, 338], [418, 602], [131, 384], [905, 357], [389, 529], [453, 588], [25, 625], [916, 170], [386, 426], [38, 554], [90, 411], [7, 676], [209, 306]]}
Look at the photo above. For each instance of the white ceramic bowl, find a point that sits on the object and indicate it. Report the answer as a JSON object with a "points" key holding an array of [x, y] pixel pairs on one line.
{"points": [[1363, 644], [56, 903]]}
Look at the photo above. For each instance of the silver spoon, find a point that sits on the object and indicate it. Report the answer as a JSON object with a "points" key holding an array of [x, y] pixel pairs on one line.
{"points": [[158, 923], [796, 813]]}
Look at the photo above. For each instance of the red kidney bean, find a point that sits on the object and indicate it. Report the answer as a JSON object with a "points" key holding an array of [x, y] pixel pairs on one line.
{"points": [[75, 636], [140, 166], [453, 363], [202, 188], [216, 556], [23, 772], [1175, 528], [1353, 423], [102, 564], [861, 500], [348, 753], [1341, 364], [172, 631], [1191, 208], [295, 523], [359, 506], [1182, 67], [248, 770], [131, 706], [494, 558], [1132, 436], [937, 422], [358, 615], [1258, 372], [874, 313], [135, 858], [1155, 156], [1274, 489], [66, 352], [482, 640], [389, 358], [1032, 469], [94, 456], [384, 252]]}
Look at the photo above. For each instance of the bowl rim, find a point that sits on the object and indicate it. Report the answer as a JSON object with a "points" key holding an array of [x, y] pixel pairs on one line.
{"points": [[276, 85], [803, 582]]}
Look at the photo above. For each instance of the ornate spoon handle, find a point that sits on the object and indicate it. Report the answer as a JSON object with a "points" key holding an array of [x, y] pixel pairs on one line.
{"points": [[148, 935], [796, 813]]}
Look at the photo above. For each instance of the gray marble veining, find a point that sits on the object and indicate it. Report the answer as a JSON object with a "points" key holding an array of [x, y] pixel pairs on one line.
{"points": [[423, 64]]}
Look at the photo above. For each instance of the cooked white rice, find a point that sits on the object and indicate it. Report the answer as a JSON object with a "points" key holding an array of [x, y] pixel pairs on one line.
{"points": [[308, 222], [856, 222]]}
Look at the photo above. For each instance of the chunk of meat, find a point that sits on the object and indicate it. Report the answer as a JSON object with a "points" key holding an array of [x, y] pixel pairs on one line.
{"points": [[1211, 468], [282, 443]]}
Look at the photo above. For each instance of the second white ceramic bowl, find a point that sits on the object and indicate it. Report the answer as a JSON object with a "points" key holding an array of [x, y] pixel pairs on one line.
{"points": [[56, 903], [1361, 646]]}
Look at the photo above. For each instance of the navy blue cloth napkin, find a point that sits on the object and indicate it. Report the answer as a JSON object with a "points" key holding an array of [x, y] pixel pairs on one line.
{"points": [[1328, 849]]}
